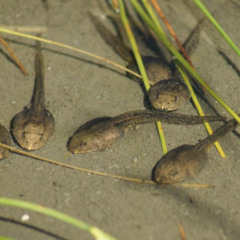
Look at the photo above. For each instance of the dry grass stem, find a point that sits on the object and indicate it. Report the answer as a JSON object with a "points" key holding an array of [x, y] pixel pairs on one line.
{"points": [[182, 232], [70, 48], [26, 29], [89, 171], [14, 57]]}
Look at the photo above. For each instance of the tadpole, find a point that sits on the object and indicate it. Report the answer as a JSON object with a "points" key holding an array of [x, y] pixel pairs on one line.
{"points": [[186, 161], [101, 133], [33, 126]]}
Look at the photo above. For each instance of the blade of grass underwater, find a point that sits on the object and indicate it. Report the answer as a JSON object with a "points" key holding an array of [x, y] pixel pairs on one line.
{"points": [[199, 109], [24, 35], [217, 26], [181, 60], [97, 233], [184, 76], [140, 66], [152, 15], [5, 238]]}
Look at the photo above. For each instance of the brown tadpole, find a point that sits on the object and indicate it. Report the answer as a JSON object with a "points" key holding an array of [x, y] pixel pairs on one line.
{"points": [[168, 92], [33, 126], [101, 133], [5, 139], [186, 161]]}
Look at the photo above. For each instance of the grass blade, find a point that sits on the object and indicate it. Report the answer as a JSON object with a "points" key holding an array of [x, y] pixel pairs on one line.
{"points": [[97, 233], [217, 26], [140, 64], [5, 238]]}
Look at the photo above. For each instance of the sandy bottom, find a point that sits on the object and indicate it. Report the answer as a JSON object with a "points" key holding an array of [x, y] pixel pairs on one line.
{"points": [[79, 88]]}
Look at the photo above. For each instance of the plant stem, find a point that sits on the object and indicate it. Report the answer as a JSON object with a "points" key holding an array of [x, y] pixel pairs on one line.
{"points": [[141, 67], [217, 26], [199, 109], [99, 234]]}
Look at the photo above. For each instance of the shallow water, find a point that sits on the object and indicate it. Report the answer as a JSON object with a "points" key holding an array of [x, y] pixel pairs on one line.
{"points": [[79, 88]]}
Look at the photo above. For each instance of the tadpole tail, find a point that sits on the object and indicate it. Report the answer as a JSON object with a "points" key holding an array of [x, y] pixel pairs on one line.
{"points": [[38, 98], [220, 132], [147, 116], [119, 47]]}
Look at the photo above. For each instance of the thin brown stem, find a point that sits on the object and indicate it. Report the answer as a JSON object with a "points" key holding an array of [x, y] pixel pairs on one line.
{"points": [[14, 57], [182, 232], [159, 11], [89, 171]]}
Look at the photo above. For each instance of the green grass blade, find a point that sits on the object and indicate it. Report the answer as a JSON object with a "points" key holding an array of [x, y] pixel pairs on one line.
{"points": [[199, 109], [97, 233], [140, 64], [5, 238], [217, 26], [152, 15], [134, 46]]}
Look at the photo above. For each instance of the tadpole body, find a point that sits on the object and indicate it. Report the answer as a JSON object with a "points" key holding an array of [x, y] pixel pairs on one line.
{"points": [[101, 133], [5, 139], [33, 126], [186, 161], [167, 92]]}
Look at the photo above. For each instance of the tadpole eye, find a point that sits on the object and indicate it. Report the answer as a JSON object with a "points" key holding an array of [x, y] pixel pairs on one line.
{"points": [[82, 144], [174, 173]]}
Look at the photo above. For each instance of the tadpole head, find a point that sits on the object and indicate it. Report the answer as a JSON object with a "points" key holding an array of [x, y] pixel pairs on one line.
{"points": [[178, 165], [30, 137], [169, 95], [32, 133], [168, 173], [82, 143], [157, 69], [97, 138], [97, 134]]}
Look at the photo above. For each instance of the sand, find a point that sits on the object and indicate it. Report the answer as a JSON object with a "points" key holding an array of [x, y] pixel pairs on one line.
{"points": [[79, 88]]}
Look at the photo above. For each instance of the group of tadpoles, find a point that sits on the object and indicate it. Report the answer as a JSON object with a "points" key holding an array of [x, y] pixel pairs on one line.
{"points": [[34, 125]]}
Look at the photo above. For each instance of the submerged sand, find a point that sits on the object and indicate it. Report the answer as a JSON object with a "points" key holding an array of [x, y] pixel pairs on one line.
{"points": [[79, 88]]}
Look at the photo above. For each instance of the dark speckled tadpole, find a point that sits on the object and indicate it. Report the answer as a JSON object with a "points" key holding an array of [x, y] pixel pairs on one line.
{"points": [[186, 161], [4, 138], [101, 133], [167, 91], [35, 125]]}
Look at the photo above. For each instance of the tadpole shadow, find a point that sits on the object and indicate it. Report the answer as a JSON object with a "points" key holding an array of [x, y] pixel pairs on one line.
{"points": [[196, 205], [206, 211], [34, 228], [229, 62]]}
